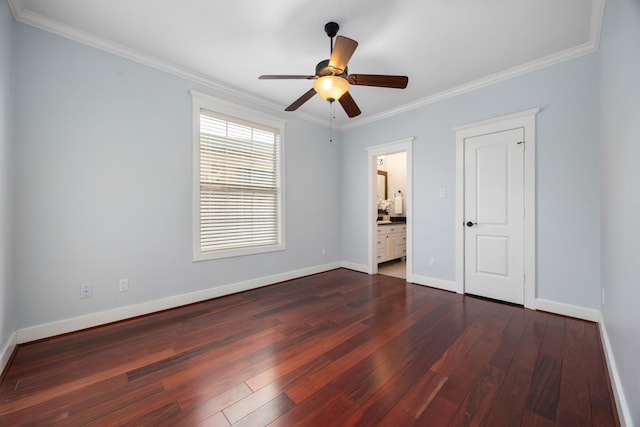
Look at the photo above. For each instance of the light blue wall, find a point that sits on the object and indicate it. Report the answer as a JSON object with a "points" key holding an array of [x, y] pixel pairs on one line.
{"points": [[7, 302], [620, 68], [103, 185], [568, 177]]}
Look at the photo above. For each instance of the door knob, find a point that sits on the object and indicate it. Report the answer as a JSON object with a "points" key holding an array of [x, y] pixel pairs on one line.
{"points": [[471, 224]]}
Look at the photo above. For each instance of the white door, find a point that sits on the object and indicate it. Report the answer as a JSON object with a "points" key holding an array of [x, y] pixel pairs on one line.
{"points": [[494, 215]]}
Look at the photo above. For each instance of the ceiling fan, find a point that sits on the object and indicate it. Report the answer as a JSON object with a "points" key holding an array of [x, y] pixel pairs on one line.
{"points": [[332, 78]]}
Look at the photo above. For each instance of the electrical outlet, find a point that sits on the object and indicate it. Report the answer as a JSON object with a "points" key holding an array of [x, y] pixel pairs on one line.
{"points": [[432, 262], [86, 291], [324, 251], [124, 285]]}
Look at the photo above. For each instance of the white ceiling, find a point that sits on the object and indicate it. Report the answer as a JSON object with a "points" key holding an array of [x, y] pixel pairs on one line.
{"points": [[444, 46]]}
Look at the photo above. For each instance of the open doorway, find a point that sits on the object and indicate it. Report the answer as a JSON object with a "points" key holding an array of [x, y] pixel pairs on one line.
{"points": [[390, 225], [391, 233]]}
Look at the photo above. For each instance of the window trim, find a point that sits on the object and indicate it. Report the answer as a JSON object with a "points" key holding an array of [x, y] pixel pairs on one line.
{"points": [[207, 102]]}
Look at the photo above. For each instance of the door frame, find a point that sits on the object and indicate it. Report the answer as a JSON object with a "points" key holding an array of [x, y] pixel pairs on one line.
{"points": [[398, 146], [526, 120]]}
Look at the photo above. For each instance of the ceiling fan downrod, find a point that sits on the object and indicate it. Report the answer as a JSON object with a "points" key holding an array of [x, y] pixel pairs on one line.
{"points": [[331, 28]]}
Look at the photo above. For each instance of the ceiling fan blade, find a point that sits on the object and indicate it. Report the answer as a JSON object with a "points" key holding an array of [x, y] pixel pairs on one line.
{"points": [[298, 102], [379, 80], [285, 76], [342, 51], [349, 105]]}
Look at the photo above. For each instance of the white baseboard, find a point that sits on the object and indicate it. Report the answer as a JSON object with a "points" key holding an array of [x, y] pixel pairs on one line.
{"points": [[64, 326], [618, 393], [355, 267], [7, 351], [576, 311], [433, 282]]}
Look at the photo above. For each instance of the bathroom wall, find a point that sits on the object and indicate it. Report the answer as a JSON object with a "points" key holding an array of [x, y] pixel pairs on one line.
{"points": [[396, 167]]}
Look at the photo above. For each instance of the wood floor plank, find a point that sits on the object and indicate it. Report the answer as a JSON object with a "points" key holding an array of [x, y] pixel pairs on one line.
{"points": [[332, 412], [574, 404], [531, 340], [397, 417], [295, 361], [411, 351], [436, 320], [102, 404], [362, 345], [553, 339], [475, 408], [390, 393], [461, 379], [416, 400], [595, 362], [602, 400], [545, 387], [216, 420], [245, 406], [207, 411], [336, 348], [457, 353], [602, 413], [439, 413], [530, 419], [508, 406], [157, 416], [61, 389]]}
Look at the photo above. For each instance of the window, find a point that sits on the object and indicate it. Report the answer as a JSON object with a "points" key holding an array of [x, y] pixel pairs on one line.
{"points": [[238, 191]]}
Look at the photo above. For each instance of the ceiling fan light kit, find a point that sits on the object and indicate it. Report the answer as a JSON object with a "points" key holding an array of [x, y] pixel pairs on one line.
{"points": [[331, 88], [332, 80]]}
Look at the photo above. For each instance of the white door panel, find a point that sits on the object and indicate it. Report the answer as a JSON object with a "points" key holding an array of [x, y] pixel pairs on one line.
{"points": [[491, 184], [494, 211], [492, 255]]}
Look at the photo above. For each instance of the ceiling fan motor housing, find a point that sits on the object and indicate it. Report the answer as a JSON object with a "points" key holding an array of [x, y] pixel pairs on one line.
{"points": [[323, 69]]}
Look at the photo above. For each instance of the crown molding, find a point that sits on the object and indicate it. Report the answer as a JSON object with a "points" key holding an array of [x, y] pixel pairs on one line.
{"points": [[27, 17], [597, 16], [547, 61]]}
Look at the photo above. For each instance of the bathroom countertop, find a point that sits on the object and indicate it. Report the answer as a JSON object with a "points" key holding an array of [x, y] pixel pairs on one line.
{"points": [[401, 220]]}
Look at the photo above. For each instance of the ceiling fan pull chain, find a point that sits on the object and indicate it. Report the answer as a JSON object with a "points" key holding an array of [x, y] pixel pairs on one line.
{"points": [[331, 117]]}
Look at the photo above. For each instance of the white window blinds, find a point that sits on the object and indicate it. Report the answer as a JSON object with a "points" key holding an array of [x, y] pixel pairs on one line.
{"points": [[240, 188]]}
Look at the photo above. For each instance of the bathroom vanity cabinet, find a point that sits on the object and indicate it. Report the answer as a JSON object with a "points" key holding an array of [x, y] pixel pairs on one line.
{"points": [[391, 242]]}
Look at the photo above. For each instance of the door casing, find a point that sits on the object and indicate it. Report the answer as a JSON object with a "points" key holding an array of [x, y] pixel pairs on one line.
{"points": [[401, 145], [526, 120]]}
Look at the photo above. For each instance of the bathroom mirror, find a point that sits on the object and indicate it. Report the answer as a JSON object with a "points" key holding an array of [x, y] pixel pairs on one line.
{"points": [[382, 185]]}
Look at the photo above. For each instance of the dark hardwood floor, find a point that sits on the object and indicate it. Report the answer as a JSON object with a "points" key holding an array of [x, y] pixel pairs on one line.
{"points": [[337, 348]]}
